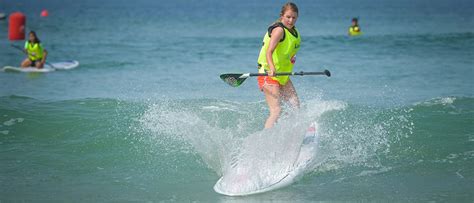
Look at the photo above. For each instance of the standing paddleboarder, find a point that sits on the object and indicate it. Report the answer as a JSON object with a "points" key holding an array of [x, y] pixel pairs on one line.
{"points": [[280, 45]]}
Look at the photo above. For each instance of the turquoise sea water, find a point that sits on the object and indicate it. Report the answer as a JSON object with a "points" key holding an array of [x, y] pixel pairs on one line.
{"points": [[145, 116]]}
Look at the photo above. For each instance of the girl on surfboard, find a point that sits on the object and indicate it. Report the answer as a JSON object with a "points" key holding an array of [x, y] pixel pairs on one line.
{"points": [[35, 51], [280, 45]]}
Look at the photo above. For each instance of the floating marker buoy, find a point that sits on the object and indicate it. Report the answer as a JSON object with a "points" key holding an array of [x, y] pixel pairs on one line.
{"points": [[16, 27], [44, 13]]}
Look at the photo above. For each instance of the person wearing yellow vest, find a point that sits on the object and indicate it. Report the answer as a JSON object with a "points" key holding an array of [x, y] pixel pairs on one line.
{"points": [[35, 51], [354, 29], [278, 53]]}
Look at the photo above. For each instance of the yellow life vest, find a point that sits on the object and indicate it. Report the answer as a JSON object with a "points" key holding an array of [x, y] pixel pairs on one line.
{"points": [[283, 53], [354, 30], [35, 51]]}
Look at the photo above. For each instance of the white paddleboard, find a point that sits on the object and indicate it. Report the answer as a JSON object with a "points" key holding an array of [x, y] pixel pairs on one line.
{"points": [[64, 65], [49, 67], [27, 69], [308, 150]]}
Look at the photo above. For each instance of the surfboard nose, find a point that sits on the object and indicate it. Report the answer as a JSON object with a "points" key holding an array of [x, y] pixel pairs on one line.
{"points": [[312, 128]]}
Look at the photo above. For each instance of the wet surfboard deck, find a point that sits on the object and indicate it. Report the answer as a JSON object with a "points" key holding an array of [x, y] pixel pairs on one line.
{"points": [[307, 153], [49, 67]]}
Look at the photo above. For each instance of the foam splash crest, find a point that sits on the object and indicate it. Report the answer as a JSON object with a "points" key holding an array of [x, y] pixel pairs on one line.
{"points": [[185, 126], [229, 137]]}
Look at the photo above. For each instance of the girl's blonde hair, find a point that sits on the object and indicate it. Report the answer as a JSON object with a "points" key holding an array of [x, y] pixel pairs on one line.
{"points": [[289, 6]]}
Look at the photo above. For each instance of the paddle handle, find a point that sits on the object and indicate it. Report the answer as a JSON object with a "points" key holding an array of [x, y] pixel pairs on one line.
{"points": [[325, 72]]}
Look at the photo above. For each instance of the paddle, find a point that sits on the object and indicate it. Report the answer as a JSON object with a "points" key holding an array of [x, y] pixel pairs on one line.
{"points": [[19, 48], [236, 79], [22, 50]]}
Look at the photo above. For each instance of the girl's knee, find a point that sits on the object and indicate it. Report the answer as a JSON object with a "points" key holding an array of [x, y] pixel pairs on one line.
{"points": [[25, 64], [275, 111], [295, 102]]}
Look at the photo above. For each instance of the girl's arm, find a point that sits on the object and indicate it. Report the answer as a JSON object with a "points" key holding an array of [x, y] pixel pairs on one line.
{"points": [[276, 36], [45, 54]]}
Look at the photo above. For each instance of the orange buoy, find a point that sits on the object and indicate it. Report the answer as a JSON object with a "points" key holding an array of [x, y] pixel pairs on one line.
{"points": [[16, 27], [44, 13]]}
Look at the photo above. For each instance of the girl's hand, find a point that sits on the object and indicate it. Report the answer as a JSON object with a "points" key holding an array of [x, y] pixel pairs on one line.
{"points": [[41, 65], [271, 72]]}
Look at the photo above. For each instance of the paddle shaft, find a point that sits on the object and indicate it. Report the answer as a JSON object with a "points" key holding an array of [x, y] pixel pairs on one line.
{"points": [[236, 79], [19, 48], [288, 73]]}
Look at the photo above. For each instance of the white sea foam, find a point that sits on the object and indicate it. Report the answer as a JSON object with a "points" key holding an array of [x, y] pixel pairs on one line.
{"points": [[238, 150], [439, 101], [229, 137], [13, 121]]}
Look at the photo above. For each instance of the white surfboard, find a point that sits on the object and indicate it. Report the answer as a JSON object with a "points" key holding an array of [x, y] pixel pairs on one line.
{"points": [[64, 65], [49, 67], [27, 69], [308, 150]]}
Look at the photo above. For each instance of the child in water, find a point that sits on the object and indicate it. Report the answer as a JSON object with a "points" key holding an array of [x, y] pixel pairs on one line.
{"points": [[354, 29]]}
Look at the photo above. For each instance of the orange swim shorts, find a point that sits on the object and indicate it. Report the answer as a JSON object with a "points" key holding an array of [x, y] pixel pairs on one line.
{"points": [[265, 80]]}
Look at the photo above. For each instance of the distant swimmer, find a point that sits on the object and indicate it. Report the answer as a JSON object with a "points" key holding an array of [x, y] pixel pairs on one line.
{"points": [[354, 30], [35, 51]]}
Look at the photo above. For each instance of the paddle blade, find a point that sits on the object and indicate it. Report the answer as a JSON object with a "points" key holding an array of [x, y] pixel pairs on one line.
{"points": [[233, 79], [327, 73]]}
